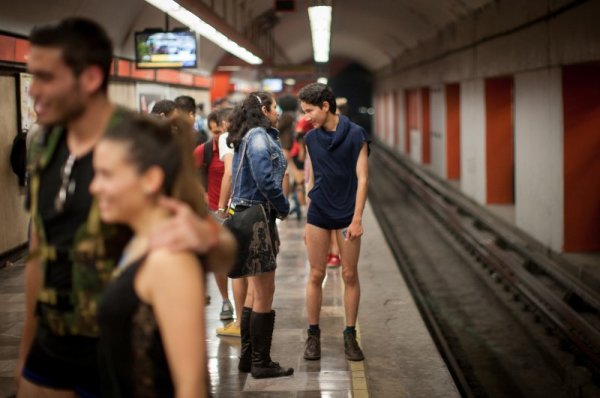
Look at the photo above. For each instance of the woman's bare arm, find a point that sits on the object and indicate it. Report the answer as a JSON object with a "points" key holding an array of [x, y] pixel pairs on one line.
{"points": [[173, 283]]}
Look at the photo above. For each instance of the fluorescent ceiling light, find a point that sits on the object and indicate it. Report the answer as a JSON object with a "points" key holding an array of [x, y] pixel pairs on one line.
{"points": [[322, 80], [202, 28], [320, 26], [290, 82]]}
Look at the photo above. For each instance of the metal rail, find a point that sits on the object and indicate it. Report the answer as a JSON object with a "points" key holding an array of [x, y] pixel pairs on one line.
{"points": [[509, 253], [435, 329]]}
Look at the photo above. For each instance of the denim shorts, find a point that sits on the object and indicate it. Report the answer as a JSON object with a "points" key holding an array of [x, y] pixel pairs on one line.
{"points": [[317, 218]]}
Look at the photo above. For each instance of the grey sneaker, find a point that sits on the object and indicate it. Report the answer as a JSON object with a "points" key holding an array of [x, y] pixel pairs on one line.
{"points": [[351, 348], [312, 349], [226, 311]]}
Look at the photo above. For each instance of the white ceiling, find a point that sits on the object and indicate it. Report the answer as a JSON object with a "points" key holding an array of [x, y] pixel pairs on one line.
{"points": [[371, 33]]}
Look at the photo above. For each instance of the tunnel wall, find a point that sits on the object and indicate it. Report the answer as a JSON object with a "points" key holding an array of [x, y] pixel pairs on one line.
{"points": [[13, 217], [532, 44], [472, 144]]}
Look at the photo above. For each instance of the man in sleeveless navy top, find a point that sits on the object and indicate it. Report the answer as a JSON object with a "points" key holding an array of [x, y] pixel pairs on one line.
{"points": [[337, 186]]}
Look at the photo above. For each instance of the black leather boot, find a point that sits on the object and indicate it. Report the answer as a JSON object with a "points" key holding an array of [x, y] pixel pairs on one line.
{"points": [[261, 326], [245, 364]]}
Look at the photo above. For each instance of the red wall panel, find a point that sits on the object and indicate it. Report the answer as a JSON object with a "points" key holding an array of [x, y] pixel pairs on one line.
{"points": [[201, 81], [220, 85], [499, 140], [581, 107], [22, 47], [123, 68], [425, 127], [412, 114], [7, 48], [453, 131]]}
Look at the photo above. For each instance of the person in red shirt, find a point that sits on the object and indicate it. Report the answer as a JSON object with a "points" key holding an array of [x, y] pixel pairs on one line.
{"points": [[212, 169]]}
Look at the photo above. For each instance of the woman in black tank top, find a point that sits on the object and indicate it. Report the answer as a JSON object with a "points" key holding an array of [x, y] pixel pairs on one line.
{"points": [[152, 341]]}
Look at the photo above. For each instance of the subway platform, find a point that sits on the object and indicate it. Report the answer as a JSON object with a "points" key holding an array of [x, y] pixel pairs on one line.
{"points": [[401, 358]]}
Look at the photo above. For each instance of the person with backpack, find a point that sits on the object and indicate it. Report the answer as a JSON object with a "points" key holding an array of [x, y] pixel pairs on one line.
{"points": [[212, 169]]}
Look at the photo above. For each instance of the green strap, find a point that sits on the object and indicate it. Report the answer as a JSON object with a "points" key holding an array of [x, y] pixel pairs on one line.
{"points": [[42, 154]]}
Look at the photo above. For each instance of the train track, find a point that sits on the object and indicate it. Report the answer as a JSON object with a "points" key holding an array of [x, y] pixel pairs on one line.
{"points": [[484, 273]]}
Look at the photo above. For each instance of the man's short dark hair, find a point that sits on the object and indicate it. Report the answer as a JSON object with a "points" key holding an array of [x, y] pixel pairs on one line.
{"points": [[223, 114], [186, 104], [212, 117], [166, 107], [83, 43], [316, 94]]}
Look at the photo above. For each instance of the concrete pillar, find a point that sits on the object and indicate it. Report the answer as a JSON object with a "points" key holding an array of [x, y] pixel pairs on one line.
{"points": [[390, 115], [414, 117], [472, 139], [377, 118], [425, 125], [401, 121], [539, 199]]}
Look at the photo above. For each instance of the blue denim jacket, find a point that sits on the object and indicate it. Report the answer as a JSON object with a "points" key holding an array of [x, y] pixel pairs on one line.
{"points": [[260, 179]]}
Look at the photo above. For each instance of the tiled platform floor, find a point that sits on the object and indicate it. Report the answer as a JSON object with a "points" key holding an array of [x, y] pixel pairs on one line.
{"points": [[401, 359]]}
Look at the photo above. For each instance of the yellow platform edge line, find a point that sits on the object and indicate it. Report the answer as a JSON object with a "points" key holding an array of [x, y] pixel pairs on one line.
{"points": [[357, 369]]}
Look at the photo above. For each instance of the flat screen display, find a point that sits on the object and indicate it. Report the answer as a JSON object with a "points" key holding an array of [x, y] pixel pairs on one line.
{"points": [[165, 50], [273, 85]]}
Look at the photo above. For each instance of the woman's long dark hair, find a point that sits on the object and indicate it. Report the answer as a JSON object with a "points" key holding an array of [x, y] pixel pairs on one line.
{"points": [[168, 145], [248, 115]]}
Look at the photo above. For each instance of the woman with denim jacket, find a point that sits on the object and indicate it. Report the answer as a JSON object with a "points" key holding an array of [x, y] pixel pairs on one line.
{"points": [[257, 178]]}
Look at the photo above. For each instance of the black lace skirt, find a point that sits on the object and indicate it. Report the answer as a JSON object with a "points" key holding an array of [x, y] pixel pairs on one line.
{"points": [[258, 240]]}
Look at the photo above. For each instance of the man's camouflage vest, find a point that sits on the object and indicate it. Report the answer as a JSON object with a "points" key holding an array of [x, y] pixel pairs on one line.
{"points": [[92, 258]]}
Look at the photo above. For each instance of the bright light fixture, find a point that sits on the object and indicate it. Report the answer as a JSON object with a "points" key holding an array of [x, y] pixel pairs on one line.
{"points": [[322, 80], [290, 82], [202, 28], [320, 26]]}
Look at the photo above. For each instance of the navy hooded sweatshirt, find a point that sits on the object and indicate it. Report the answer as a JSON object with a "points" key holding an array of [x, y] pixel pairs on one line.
{"points": [[334, 155]]}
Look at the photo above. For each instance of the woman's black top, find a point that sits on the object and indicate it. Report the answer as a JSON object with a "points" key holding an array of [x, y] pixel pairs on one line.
{"points": [[132, 356]]}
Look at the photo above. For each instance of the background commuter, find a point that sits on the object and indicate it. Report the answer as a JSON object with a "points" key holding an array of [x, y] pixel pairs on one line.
{"points": [[239, 285], [212, 169], [166, 109], [186, 106]]}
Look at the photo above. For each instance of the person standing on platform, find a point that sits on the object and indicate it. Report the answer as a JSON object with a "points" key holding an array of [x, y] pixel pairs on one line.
{"points": [[239, 285], [338, 181], [258, 172], [165, 109], [212, 168], [72, 254], [186, 106]]}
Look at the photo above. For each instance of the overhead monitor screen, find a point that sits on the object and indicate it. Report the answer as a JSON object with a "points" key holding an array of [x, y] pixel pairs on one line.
{"points": [[272, 84], [165, 50]]}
